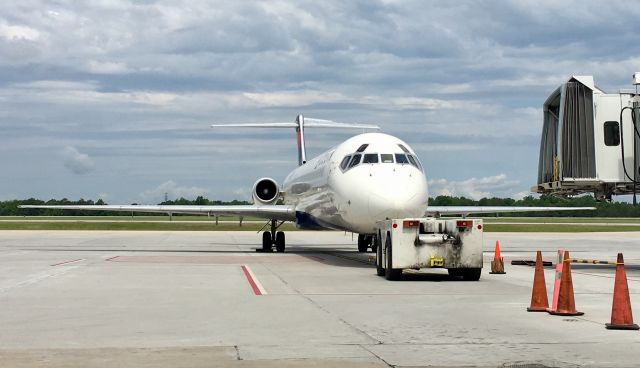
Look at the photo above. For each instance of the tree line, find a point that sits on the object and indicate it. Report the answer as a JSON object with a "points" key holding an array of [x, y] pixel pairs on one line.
{"points": [[603, 209], [10, 208]]}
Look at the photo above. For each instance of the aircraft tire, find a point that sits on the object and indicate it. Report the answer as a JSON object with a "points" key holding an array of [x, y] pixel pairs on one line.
{"points": [[379, 268], [266, 241], [362, 243], [390, 274], [455, 272], [471, 274], [280, 244]]}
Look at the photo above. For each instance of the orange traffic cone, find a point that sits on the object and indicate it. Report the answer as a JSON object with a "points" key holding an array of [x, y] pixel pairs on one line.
{"points": [[539, 301], [497, 265], [566, 303], [621, 317], [556, 283]]}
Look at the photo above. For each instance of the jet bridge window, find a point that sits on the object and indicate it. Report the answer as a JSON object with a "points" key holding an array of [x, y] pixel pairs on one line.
{"points": [[370, 158], [345, 162], [401, 158], [611, 133], [386, 158], [355, 160]]}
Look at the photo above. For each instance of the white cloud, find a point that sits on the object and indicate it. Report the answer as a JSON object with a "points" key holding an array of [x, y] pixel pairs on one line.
{"points": [[173, 191], [241, 193], [467, 95], [13, 32], [477, 188], [106, 67], [447, 147], [78, 163]]}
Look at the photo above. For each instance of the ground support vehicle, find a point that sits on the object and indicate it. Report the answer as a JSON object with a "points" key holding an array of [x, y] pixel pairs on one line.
{"points": [[414, 243]]}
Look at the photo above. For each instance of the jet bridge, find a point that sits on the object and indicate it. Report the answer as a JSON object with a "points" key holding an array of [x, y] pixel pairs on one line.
{"points": [[590, 141]]}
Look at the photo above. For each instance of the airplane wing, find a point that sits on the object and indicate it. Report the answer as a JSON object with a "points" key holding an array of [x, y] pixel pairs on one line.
{"points": [[271, 212], [466, 210]]}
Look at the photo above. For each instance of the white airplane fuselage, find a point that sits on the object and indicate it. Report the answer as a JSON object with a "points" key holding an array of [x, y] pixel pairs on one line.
{"points": [[326, 194]]}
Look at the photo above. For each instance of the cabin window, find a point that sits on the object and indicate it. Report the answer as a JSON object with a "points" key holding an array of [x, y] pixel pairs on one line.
{"points": [[363, 147], [401, 158], [386, 158], [355, 160], [345, 162], [370, 158], [611, 133]]}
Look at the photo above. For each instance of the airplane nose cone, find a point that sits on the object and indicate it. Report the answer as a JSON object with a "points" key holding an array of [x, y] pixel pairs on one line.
{"points": [[393, 204]]}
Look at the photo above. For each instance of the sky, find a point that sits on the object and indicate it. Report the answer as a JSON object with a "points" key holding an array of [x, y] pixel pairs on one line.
{"points": [[113, 99]]}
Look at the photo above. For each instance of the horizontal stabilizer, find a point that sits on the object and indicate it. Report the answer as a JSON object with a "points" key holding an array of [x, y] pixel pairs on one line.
{"points": [[321, 123], [256, 125], [308, 123], [300, 124]]}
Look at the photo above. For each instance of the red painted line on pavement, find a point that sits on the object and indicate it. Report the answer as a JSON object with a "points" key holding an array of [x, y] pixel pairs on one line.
{"points": [[112, 258], [247, 274], [65, 262]]}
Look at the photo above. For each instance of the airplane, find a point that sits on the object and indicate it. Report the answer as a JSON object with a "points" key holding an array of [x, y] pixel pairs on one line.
{"points": [[365, 179]]}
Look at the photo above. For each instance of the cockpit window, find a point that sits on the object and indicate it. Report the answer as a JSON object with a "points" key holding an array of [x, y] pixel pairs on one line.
{"points": [[404, 149], [355, 160], [414, 161], [386, 158], [363, 147], [370, 158], [345, 162], [401, 158]]}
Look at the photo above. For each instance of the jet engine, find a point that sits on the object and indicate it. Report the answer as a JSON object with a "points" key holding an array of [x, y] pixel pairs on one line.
{"points": [[265, 191]]}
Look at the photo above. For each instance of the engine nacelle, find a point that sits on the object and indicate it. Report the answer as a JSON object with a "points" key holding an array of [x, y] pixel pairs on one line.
{"points": [[265, 191]]}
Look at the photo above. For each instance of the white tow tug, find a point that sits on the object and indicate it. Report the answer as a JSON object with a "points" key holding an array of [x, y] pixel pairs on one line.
{"points": [[414, 243]]}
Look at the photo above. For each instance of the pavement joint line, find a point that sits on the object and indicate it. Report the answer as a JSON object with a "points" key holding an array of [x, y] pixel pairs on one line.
{"points": [[347, 258], [37, 278], [588, 320], [376, 355], [343, 321], [67, 262], [321, 308], [501, 343], [603, 276]]}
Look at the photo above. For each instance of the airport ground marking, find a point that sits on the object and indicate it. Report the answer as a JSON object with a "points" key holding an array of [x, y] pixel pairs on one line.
{"points": [[68, 262], [255, 284]]}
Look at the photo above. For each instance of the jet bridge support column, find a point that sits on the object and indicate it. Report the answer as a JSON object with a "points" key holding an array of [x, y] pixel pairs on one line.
{"points": [[636, 145]]}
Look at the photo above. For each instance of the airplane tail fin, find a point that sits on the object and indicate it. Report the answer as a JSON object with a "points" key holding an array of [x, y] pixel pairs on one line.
{"points": [[301, 123]]}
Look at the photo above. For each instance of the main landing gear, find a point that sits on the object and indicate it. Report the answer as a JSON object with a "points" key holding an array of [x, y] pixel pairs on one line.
{"points": [[365, 242], [273, 237]]}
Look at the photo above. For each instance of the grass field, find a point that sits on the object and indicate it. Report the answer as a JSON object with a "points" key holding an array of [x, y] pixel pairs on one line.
{"points": [[128, 218], [203, 223], [555, 228], [560, 220], [136, 225]]}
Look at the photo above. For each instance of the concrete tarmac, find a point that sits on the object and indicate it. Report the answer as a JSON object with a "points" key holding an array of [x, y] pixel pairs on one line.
{"points": [[207, 299]]}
